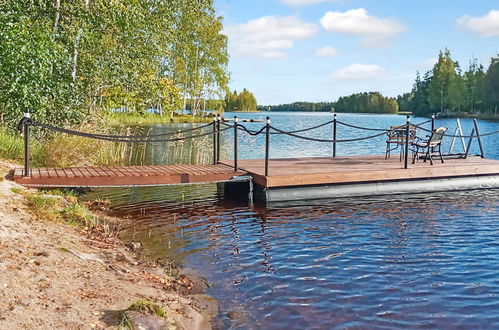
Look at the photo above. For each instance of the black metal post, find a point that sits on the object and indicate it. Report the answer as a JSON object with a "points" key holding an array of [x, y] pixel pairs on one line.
{"points": [[406, 156], [215, 161], [219, 119], [432, 122], [334, 135], [27, 116], [469, 143], [235, 143], [475, 123], [267, 146]]}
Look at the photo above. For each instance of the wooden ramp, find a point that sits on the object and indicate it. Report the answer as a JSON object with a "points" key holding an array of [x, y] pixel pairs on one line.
{"points": [[111, 176], [359, 169]]}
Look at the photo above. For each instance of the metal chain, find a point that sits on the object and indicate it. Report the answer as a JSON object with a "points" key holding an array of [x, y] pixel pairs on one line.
{"points": [[337, 141], [119, 139], [452, 135]]}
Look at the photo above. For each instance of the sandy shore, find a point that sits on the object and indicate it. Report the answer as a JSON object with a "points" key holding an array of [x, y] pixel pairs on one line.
{"points": [[55, 276]]}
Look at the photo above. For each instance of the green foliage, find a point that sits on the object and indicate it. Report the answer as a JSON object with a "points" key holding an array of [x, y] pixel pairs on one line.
{"points": [[245, 101], [372, 102], [147, 307], [299, 106], [446, 89], [65, 60], [34, 69], [491, 85], [12, 147], [60, 206]]}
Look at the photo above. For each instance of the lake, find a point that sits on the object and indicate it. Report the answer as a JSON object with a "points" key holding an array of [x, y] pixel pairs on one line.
{"points": [[406, 261]]}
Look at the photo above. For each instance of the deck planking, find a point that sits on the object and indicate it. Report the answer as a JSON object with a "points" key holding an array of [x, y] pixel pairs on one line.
{"points": [[359, 169], [282, 172], [108, 176]]}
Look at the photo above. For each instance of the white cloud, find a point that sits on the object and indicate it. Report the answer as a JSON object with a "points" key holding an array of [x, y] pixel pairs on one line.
{"points": [[304, 2], [483, 26], [360, 72], [374, 31], [268, 36], [326, 52]]}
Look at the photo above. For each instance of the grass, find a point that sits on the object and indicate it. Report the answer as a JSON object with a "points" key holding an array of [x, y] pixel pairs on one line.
{"points": [[147, 307], [61, 206], [143, 306], [61, 150], [12, 146], [117, 119], [16, 190]]}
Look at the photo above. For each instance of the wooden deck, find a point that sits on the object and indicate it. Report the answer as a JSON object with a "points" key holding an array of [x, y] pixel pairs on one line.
{"points": [[283, 172], [359, 169], [124, 175]]}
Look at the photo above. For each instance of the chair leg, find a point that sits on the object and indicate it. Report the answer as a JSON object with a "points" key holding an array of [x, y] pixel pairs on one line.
{"points": [[414, 155], [387, 151], [440, 153], [428, 154]]}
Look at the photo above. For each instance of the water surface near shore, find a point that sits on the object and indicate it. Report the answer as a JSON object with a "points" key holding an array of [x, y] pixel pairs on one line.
{"points": [[427, 260]]}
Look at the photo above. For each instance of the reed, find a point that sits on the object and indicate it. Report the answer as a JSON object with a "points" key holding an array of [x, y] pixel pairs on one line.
{"points": [[125, 118]]}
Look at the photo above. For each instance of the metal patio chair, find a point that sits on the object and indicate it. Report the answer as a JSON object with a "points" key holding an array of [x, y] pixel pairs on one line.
{"points": [[431, 145], [396, 138]]}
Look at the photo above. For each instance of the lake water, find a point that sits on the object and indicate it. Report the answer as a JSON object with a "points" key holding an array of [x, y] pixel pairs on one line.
{"points": [[418, 261]]}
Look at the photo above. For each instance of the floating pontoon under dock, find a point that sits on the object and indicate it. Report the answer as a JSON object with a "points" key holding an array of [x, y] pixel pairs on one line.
{"points": [[313, 178]]}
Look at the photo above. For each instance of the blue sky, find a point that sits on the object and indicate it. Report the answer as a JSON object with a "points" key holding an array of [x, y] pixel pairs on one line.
{"points": [[317, 50]]}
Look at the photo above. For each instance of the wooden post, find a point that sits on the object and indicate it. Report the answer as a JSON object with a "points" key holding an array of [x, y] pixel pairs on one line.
{"points": [[267, 146], [475, 123], [406, 156], [27, 117], [235, 143], [334, 135], [215, 161]]}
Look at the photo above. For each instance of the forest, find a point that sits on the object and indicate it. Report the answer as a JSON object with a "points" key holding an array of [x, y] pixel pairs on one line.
{"points": [[244, 101], [67, 60], [372, 102], [447, 89]]}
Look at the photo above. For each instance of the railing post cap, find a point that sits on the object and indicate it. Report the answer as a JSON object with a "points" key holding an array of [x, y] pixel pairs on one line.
{"points": [[335, 115], [235, 119], [268, 120], [408, 119], [432, 116], [27, 115]]}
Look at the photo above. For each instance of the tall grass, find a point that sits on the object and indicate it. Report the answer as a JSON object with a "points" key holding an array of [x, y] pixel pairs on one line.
{"points": [[123, 118], [60, 150]]}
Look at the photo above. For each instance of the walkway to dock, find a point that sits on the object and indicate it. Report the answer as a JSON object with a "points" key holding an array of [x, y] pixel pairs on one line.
{"points": [[109, 176]]}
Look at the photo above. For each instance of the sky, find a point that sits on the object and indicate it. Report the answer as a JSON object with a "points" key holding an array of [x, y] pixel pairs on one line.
{"points": [[318, 50]]}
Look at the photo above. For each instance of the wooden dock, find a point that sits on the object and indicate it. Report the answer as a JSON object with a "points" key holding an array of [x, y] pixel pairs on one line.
{"points": [[112, 176], [289, 179], [357, 169]]}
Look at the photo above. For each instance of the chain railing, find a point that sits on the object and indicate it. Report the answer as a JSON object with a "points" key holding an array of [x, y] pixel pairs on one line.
{"points": [[218, 121]]}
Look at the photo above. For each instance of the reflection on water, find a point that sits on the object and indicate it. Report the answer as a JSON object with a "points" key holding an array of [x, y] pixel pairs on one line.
{"points": [[406, 261], [425, 261]]}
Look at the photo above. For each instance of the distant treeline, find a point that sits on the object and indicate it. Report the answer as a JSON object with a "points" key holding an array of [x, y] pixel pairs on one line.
{"points": [[446, 88], [244, 101], [372, 102]]}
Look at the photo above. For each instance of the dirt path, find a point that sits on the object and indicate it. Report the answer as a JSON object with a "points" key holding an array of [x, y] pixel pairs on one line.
{"points": [[54, 276]]}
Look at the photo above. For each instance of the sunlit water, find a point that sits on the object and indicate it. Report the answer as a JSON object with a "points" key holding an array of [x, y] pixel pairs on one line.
{"points": [[412, 261]]}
